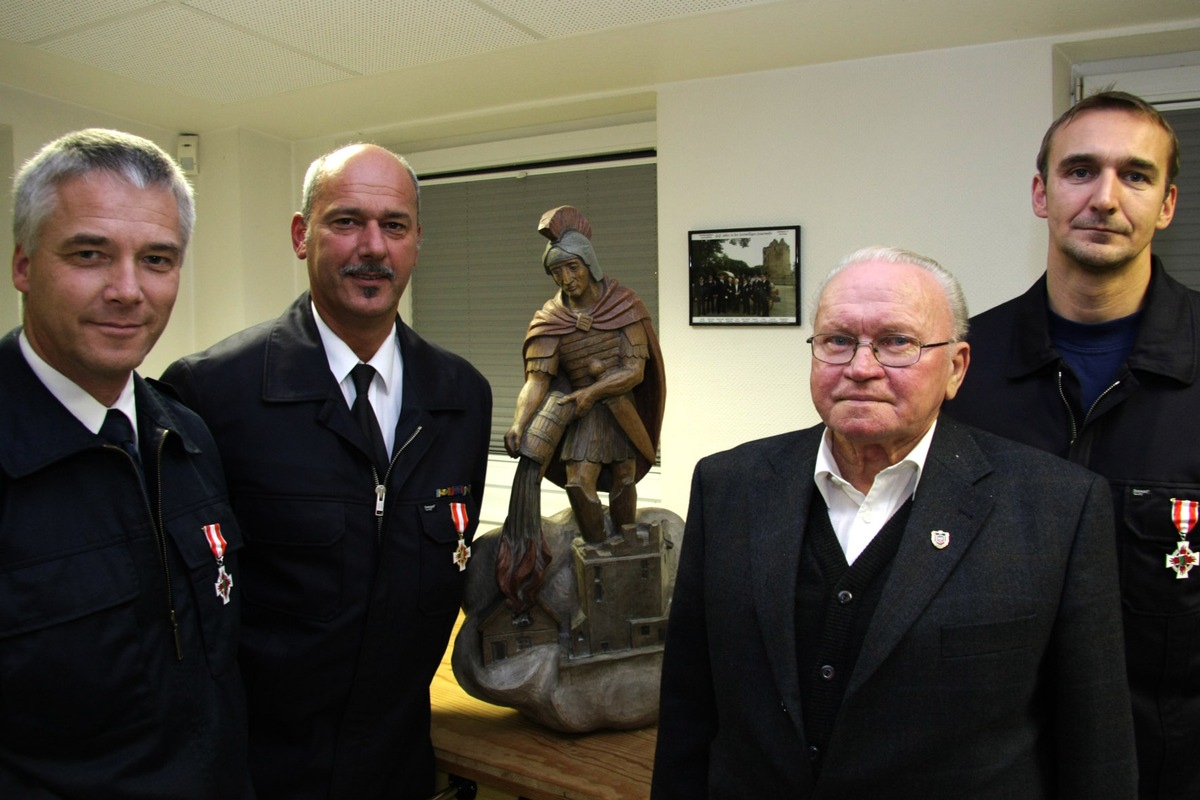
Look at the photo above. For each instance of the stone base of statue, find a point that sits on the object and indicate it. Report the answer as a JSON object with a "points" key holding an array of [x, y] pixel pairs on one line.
{"points": [[588, 654]]}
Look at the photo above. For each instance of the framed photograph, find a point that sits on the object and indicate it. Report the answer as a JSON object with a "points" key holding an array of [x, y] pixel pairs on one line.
{"points": [[744, 276]]}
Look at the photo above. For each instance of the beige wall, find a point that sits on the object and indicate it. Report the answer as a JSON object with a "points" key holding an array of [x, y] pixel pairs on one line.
{"points": [[931, 151]]}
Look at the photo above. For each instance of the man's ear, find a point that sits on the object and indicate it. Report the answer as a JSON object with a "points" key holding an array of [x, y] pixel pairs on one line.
{"points": [[1039, 196], [1167, 212], [20, 270], [958, 368], [299, 233]]}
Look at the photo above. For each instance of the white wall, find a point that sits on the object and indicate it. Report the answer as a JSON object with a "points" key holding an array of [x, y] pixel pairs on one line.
{"points": [[243, 265]]}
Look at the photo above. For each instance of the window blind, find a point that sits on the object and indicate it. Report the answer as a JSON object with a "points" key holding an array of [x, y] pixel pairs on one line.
{"points": [[1179, 244]]}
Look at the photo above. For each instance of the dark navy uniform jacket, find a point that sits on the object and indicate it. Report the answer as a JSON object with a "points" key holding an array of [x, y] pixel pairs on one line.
{"points": [[118, 673], [350, 595]]}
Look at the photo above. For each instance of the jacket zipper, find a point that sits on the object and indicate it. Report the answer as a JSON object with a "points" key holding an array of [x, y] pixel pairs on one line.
{"points": [[160, 538], [160, 531], [1071, 414], [381, 486]]}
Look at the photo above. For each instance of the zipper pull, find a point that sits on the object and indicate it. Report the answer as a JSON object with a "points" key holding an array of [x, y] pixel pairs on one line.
{"points": [[380, 494], [178, 641]]}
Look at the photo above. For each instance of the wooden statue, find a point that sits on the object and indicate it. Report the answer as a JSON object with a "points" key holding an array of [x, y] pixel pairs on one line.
{"points": [[589, 414], [566, 615]]}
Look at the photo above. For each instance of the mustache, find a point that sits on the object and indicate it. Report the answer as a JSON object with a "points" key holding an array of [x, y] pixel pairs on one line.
{"points": [[367, 270]]}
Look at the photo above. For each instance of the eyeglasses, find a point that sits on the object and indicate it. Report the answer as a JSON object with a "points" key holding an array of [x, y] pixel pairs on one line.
{"points": [[893, 350]]}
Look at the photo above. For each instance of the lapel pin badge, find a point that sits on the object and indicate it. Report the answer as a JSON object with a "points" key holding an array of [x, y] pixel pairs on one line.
{"points": [[940, 539]]}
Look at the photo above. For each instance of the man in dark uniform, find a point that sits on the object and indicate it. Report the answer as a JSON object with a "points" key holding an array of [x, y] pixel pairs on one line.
{"points": [[119, 584], [356, 454]]}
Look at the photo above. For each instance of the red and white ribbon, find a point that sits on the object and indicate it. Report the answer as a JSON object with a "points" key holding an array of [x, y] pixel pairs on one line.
{"points": [[462, 553], [216, 543], [1184, 513]]}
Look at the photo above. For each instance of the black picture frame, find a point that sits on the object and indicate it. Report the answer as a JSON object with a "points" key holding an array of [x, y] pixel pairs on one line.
{"points": [[744, 276]]}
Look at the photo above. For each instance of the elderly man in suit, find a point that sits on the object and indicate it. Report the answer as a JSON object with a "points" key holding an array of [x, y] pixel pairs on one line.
{"points": [[893, 604]]}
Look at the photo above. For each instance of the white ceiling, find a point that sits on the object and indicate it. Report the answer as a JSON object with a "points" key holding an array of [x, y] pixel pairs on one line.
{"points": [[306, 68]]}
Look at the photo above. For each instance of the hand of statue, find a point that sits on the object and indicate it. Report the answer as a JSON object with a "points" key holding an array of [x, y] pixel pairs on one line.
{"points": [[512, 441], [583, 400]]}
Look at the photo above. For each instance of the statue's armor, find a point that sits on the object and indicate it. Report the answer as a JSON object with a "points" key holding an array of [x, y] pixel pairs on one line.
{"points": [[586, 355], [583, 357]]}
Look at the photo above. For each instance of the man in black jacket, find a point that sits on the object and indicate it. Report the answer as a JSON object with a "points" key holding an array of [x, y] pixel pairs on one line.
{"points": [[1097, 362], [358, 499], [118, 580]]}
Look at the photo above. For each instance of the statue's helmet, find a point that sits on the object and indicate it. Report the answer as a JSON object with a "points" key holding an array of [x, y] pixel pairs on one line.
{"points": [[570, 237]]}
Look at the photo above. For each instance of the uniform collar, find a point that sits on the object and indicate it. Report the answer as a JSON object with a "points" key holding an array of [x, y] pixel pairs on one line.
{"points": [[1166, 342], [297, 368], [87, 409], [37, 429]]}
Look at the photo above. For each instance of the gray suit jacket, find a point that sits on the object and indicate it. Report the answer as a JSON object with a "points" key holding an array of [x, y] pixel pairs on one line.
{"points": [[993, 668]]}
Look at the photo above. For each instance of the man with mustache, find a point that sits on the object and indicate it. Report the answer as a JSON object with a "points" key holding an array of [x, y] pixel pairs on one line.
{"points": [[1097, 363], [355, 453]]}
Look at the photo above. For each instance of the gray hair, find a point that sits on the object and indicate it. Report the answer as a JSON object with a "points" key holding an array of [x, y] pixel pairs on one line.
{"points": [[318, 172], [896, 255], [139, 161]]}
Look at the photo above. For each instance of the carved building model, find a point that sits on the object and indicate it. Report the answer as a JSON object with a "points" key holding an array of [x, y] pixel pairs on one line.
{"points": [[621, 586]]}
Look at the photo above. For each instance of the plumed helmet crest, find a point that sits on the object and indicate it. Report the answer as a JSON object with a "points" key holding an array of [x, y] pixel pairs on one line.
{"points": [[570, 236]]}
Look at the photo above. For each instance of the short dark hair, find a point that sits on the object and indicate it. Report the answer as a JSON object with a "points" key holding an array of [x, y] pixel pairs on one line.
{"points": [[1112, 100], [139, 161]]}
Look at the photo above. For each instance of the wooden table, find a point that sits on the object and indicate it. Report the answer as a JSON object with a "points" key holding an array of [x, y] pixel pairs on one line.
{"points": [[496, 747]]}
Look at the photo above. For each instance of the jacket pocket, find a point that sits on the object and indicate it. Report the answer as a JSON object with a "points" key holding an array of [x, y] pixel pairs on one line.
{"points": [[960, 641], [294, 555], [1148, 585], [72, 653], [214, 589], [442, 582]]}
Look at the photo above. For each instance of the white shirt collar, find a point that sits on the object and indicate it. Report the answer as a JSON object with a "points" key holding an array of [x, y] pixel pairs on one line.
{"points": [[342, 359], [827, 471], [87, 409]]}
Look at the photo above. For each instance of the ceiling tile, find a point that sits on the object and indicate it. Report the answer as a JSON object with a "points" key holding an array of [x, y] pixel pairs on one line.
{"points": [[568, 17], [370, 36], [179, 49], [23, 21]]}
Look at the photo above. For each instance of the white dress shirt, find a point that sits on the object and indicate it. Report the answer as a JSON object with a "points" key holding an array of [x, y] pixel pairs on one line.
{"points": [[387, 387], [858, 518], [87, 409]]}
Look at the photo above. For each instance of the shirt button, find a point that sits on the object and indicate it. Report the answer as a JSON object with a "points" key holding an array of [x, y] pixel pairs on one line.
{"points": [[827, 672], [844, 597], [813, 752]]}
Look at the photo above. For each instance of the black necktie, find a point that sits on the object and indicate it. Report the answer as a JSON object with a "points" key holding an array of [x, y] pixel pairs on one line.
{"points": [[119, 431], [362, 375]]}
